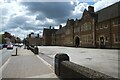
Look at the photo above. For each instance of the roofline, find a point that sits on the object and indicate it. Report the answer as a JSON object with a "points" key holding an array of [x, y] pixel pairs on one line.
{"points": [[108, 6]]}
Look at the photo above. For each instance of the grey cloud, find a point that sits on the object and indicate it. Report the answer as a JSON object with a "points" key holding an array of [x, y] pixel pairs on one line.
{"points": [[3, 11], [76, 16], [40, 17], [61, 20], [15, 22], [19, 20], [51, 9], [28, 26]]}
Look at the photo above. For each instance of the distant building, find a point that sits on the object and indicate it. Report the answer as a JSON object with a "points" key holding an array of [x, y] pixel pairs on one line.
{"points": [[0, 38], [49, 36], [99, 29], [7, 38], [60, 36], [34, 39]]}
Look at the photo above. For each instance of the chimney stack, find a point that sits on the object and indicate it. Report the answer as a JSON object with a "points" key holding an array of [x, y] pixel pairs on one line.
{"points": [[29, 35], [50, 27], [91, 9], [60, 26]]}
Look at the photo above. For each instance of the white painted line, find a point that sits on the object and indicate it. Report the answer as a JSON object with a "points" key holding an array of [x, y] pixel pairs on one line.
{"points": [[45, 62], [49, 75], [3, 66]]}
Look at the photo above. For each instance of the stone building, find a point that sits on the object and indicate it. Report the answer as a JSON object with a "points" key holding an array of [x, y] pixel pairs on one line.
{"points": [[49, 36], [60, 36], [99, 29], [34, 39], [87, 28], [68, 34], [64, 35], [108, 27], [76, 36], [0, 38]]}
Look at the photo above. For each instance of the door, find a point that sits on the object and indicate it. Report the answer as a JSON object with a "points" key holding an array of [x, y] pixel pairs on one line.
{"points": [[77, 41], [102, 42]]}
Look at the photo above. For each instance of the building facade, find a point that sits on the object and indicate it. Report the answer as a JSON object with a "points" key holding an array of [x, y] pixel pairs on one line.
{"points": [[7, 38], [87, 28], [108, 27], [34, 39], [60, 36], [68, 34], [99, 29], [49, 36]]}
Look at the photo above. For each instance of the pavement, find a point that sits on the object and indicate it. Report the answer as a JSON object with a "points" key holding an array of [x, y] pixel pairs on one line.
{"points": [[27, 65], [101, 60]]}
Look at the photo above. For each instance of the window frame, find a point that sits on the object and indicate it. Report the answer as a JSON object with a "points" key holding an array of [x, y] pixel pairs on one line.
{"points": [[116, 22]]}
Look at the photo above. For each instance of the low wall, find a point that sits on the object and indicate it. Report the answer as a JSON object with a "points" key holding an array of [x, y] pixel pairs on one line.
{"points": [[35, 50], [67, 70]]}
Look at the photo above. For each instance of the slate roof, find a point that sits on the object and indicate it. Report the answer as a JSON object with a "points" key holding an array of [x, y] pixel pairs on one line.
{"points": [[109, 12]]}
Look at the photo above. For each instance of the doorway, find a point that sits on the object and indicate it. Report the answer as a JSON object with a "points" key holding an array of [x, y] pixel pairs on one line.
{"points": [[102, 42], [77, 42]]}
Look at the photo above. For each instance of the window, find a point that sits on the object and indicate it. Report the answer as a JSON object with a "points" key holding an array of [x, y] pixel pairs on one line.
{"points": [[89, 26], [77, 29], [86, 26], [106, 39], [97, 27], [81, 27], [101, 26], [105, 25], [119, 21], [116, 22], [97, 39], [86, 39], [116, 38], [67, 32]]}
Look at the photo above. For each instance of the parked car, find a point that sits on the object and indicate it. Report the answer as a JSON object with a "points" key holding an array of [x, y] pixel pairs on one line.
{"points": [[9, 46], [20, 45], [4, 45]]}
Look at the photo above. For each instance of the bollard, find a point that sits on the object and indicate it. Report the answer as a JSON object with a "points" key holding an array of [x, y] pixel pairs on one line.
{"points": [[16, 51], [36, 51], [58, 59]]}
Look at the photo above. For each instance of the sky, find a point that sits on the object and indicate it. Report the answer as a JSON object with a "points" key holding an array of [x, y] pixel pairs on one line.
{"points": [[21, 17]]}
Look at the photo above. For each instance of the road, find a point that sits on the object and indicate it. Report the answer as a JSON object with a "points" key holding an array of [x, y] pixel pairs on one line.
{"points": [[5, 55]]}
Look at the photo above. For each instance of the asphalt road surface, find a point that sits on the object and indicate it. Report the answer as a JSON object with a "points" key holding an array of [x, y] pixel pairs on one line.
{"points": [[5, 55]]}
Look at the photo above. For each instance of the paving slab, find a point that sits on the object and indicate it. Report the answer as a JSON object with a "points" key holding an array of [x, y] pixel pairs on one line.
{"points": [[27, 65]]}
